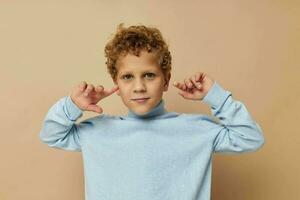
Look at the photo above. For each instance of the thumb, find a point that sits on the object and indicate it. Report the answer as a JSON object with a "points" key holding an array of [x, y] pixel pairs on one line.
{"points": [[95, 108], [185, 95]]}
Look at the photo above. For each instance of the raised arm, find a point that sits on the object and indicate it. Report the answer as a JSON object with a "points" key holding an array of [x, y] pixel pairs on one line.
{"points": [[238, 130], [59, 128]]}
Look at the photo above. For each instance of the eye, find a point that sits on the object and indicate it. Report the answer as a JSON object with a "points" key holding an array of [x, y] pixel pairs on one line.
{"points": [[148, 75], [126, 76], [151, 75]]}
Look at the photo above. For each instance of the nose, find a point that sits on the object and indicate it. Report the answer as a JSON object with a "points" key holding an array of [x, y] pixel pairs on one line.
{"points": [[139, 86]]}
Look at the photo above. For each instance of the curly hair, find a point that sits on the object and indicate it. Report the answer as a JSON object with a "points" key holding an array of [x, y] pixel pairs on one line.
{"points": [[133, 40]]}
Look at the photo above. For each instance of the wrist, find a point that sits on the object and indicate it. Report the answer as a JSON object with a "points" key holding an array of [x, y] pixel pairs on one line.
{"points": [[75, 103]]}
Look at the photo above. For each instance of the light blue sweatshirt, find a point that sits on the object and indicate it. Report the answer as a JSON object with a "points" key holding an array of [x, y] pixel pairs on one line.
{"points": [[157, 156]]}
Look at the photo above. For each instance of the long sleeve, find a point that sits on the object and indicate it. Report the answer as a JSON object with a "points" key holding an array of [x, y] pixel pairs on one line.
{"points": [[59, 129], [238, 132]]}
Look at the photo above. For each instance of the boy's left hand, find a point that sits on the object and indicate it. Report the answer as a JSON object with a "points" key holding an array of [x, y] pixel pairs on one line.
{"points": [[195, 87]]}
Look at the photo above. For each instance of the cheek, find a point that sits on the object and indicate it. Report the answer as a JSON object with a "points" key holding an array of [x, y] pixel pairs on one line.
{"points": [[159, 85], [123, 90]]}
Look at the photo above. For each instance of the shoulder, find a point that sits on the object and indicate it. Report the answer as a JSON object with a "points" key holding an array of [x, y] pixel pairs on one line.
{"points": [[203, 119], [96, 120]]}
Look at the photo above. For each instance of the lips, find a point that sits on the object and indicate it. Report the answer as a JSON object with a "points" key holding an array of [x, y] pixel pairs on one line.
{"points": [[136, 99]]}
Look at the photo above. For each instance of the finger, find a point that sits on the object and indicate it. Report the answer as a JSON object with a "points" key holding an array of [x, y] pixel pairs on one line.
{"points": [[99, 88], [89, 88], [203, 76], [185, 94], [176, 84], [183, 86], [82, 86], [180, 86], [200, 76], [114, 89], [95, 108], [108, 92], [196, 84], [188, 83]]}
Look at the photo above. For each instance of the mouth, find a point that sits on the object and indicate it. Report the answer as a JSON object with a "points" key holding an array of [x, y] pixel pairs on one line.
{"points": [[141, 100]]}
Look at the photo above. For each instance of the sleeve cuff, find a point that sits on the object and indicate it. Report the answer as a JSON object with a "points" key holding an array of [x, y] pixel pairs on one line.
{"points": [[73, 111], [216, 96]]}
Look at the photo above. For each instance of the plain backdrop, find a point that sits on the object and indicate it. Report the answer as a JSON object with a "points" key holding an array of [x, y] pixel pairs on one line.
{"points": [[250, 47]]}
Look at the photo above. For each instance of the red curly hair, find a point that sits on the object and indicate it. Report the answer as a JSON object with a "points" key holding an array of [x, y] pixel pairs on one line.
{"points": [[133, 40]]}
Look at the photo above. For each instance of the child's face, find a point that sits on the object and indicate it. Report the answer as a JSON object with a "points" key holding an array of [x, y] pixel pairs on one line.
{"points": [[140, 77]]}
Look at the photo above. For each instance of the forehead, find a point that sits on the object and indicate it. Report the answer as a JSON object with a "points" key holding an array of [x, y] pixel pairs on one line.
{"points": [[145, 61]]}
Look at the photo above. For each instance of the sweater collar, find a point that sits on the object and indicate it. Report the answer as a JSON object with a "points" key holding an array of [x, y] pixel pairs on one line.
{"points": [[158, 110]]}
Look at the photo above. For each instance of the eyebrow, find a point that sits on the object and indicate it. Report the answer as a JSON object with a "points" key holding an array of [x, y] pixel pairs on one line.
{"points": [[146, 71]]}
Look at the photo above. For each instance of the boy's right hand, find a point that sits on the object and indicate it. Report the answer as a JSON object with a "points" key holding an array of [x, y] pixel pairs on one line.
{"points": [[86, 96]]}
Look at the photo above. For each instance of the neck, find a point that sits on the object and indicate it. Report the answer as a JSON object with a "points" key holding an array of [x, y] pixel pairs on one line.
{"points": [[158, 110]]}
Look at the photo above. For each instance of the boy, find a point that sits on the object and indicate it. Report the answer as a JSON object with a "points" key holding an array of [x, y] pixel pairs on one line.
{"points": [[150, 153]]}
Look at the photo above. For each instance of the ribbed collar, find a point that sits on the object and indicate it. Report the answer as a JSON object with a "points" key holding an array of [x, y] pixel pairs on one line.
{"points": [[158, 110]]}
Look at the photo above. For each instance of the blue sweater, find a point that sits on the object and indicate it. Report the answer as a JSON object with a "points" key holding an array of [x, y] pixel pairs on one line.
{"points": [[157, 156]]}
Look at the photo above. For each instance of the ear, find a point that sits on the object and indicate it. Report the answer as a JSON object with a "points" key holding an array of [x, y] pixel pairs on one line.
{"points": [[167, 81], [118, 91]]}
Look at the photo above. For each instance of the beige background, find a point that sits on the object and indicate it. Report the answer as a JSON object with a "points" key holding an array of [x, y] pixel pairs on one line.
{"points": [[250, 47]]}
